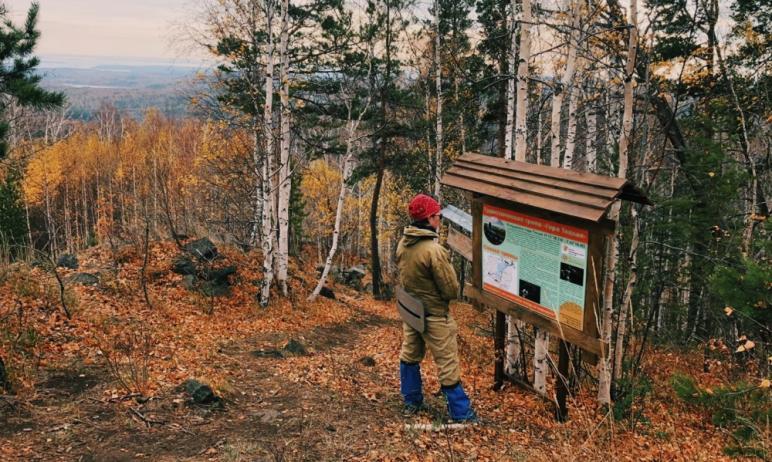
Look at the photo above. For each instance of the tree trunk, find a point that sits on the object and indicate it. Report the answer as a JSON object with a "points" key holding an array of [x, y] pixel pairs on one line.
{"points": [[627, 298], [267, 196], [375, 258], [540, 366], [604, 373], [513, 348], [348, 167], [565, 82], [568, 156], [591, 118], [285, 183], [513, 366], [522, 83], [512, 59], [514, 362], [438, 78]]}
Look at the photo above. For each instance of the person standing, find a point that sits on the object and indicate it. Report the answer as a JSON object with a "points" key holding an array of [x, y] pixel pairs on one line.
{"points": [[425, 273]]}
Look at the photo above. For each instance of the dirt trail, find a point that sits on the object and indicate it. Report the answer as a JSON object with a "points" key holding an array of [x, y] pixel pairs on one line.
{"points": [[266, 417]]}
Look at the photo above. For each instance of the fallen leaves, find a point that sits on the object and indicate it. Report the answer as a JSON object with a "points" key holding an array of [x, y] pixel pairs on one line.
{"points": [[747, 346]]}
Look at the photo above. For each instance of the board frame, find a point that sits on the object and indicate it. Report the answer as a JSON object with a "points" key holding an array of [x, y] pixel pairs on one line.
{"points": [[587, 339]]}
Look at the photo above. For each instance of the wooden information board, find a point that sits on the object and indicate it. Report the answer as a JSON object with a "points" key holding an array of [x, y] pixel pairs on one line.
{"points": [[540, 267]]}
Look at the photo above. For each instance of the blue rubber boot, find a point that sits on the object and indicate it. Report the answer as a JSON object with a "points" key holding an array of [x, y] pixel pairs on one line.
{"points": [[459, 406], [410, 385]]}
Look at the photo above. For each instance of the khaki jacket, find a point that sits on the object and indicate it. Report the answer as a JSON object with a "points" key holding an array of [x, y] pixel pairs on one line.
{"points": [[425, 270]]}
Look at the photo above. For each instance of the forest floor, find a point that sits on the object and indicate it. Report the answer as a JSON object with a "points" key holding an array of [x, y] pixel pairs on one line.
{"points": [[335, 399]]}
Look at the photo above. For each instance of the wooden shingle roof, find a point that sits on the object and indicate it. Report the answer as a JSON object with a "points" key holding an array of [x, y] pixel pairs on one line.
{"points": [[578, 194]]}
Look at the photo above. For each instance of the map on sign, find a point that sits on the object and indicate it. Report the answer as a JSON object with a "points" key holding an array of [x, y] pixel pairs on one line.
{"points": [[540, 264]]}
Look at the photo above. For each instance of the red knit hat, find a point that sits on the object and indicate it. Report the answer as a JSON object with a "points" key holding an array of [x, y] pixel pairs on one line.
{"points": [[422, 207]]}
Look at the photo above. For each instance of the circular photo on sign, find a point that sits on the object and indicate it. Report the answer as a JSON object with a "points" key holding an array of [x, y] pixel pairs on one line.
{"points": [[494, 230]]}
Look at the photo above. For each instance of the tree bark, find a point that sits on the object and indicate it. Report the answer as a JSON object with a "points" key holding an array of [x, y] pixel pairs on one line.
{"points": [[522, 83], [606, 327], [267, 195], [438, 83], [512, 59], [285, 183], [565, 81], [540, 365], [591, 119]]}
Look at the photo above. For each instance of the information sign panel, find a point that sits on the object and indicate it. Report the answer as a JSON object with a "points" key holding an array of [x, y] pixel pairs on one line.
{"points": [[537, 263]]}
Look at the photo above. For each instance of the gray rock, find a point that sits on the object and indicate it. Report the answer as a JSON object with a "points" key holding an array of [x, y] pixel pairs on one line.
{"points": [[212, 289], [67, 261], [327, 292], [296, 348], [352, 277], [86, 279], [203, 249], [182, 264], [200, 393], [218, 276]]}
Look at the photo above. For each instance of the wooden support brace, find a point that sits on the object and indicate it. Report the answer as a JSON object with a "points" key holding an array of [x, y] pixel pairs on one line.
{"points": [[499, 341]]}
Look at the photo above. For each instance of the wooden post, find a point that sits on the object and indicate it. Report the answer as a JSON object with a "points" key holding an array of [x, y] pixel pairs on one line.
{"points": [[463, 278], [562, 382], [499, 343]]}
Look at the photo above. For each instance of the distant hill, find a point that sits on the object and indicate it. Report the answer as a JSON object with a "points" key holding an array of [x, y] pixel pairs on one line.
{"points": [[130, 88]]}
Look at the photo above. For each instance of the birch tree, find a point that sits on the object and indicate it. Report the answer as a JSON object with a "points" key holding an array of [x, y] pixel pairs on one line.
{"points": [[591, 122], [604, 365], [560, 86], [349, 90], [438, 83], [541, 343], [514, 363], [285, 185], [512, 59], [266, 173], [522, 82], [568, 155]]}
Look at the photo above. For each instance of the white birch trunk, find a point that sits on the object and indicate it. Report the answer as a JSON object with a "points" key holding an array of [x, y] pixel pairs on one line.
{"points": [[522, 83], [438, 77], [540, 366], [285, 184], [568, 156], [541, 342], [604, 373], [513, 366], [267, 165], [565, 81], [591, 119], [508, 129], [513, 348], [627, 297]]}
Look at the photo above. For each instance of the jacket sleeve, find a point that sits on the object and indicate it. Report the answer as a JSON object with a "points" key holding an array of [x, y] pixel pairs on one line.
{"points": [[444, 274]]}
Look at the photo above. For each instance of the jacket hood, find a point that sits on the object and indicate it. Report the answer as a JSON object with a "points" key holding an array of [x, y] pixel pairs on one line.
{"points": [[413, 235]]}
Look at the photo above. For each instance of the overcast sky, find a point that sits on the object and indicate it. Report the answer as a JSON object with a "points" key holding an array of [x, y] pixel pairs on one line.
{"points": [[125, 29]]}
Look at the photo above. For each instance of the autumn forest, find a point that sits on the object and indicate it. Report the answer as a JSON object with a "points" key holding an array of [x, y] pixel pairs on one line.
{"points": [[220, 285]]}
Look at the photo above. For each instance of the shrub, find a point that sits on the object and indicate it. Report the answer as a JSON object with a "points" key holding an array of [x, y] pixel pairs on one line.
{"points": [[741, 408]]}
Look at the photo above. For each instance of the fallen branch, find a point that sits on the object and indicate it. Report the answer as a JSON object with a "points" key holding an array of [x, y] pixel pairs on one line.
{"points": [[147, 420], [437, 428]]}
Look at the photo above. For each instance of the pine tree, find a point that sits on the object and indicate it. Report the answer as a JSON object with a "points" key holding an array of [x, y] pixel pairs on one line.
{"points": [[18, 79]]}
